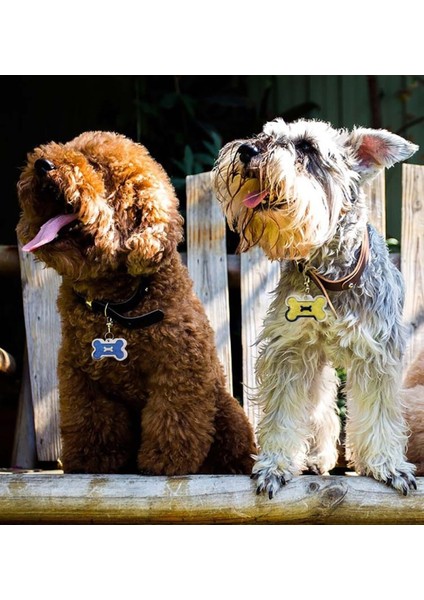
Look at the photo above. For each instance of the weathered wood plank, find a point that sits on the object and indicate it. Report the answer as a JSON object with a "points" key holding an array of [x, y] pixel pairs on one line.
{"points": [[33, 498], [412, 256], [258, 278], [375, 192], [39, 288], [24, 446], [207, 261]]}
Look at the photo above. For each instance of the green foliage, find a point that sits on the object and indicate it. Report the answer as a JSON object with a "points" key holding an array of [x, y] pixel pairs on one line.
{"points": [[393, 245], [181, 118], [185, 120], [198, 162]]}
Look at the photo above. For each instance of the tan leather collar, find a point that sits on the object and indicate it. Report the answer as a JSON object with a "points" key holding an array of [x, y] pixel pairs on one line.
{"points": [[347, 282]]}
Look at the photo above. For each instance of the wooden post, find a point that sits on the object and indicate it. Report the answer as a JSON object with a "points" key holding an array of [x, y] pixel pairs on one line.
{"points": [[412, 256], [40, 288], [207, 262], [375, 192], [258, 278]]}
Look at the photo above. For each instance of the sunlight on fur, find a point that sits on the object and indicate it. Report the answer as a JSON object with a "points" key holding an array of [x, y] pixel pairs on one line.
{"points": [[295, 190]]}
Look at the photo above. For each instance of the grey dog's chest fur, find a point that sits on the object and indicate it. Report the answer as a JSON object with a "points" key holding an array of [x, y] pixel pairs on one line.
{"points": [[369, 315]]}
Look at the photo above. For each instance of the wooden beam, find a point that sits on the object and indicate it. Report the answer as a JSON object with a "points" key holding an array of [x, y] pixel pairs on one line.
{"points": [[207, 262], [203, 499]]}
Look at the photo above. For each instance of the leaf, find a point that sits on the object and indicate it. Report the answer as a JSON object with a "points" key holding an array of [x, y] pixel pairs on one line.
{"points": [[217, 138], [213, 149], [205, 159], [213, 145]]}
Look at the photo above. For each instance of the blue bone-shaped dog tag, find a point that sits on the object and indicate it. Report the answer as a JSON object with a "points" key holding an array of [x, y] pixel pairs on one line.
{"points": [[109, 348]]}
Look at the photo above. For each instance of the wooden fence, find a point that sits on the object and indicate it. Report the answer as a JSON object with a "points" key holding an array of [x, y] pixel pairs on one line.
{"points": [[66, 498]]}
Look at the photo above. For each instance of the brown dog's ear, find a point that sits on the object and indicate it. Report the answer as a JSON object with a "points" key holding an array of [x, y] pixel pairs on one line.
{"points": [[376, 149], [157, 230]]}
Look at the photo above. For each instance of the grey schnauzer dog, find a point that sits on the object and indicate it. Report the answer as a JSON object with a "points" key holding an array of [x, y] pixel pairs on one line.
{"points": [[295, 190]]}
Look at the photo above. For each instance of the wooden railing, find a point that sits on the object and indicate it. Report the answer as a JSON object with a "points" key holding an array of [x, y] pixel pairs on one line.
{"points": [[201, 499]]}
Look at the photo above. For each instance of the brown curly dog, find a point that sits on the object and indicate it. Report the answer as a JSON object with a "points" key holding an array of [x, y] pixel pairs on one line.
{"points": [[104, 215], [413, 404]]}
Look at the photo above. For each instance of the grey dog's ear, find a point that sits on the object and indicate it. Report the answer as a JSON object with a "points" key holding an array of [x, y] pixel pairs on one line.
{"points": [[375, 149]]}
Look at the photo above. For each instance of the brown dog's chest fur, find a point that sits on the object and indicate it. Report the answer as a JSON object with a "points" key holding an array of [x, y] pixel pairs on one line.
{"points": [[115, 377], [129, 380]]}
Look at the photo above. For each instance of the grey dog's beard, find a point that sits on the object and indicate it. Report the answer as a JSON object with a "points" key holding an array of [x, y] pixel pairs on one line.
{"points": [[296, 215]]}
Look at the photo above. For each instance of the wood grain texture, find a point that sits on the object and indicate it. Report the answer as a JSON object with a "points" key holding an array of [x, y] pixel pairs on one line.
{"points": [[412, 256], [226, 499], [207, 262], [39, 289], [24, 445], [258, 279], [375, 192]]}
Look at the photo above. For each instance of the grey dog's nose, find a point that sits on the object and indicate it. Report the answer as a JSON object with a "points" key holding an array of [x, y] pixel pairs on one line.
{"points": [[42, 166], [246, 153]]}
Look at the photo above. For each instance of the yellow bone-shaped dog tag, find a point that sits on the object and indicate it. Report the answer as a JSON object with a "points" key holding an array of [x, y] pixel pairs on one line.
{"points": [[309, 307]]}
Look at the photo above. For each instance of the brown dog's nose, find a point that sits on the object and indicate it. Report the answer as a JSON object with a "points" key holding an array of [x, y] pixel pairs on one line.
{"points": [[246, 153], [42, 166]]}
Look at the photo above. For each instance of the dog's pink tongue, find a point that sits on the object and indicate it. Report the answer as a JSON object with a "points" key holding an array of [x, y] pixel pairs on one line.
{"points": [[254, 198], [48, 231]]}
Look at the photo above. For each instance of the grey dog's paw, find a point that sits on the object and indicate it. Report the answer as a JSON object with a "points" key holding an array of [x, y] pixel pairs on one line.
{"points": [[403, 482], [270, 480], [400, 478]]}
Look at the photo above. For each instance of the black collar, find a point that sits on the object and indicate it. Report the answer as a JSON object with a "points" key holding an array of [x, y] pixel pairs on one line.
{"points": [[114, 310]]}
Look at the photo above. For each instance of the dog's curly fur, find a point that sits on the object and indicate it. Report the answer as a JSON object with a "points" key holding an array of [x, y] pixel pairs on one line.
{"points": [[413, 405], [164, 409]]}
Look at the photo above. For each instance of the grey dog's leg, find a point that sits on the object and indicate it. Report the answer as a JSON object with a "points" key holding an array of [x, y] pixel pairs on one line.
{"points": [[285, 429], [375, 432], [325, 421]]}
